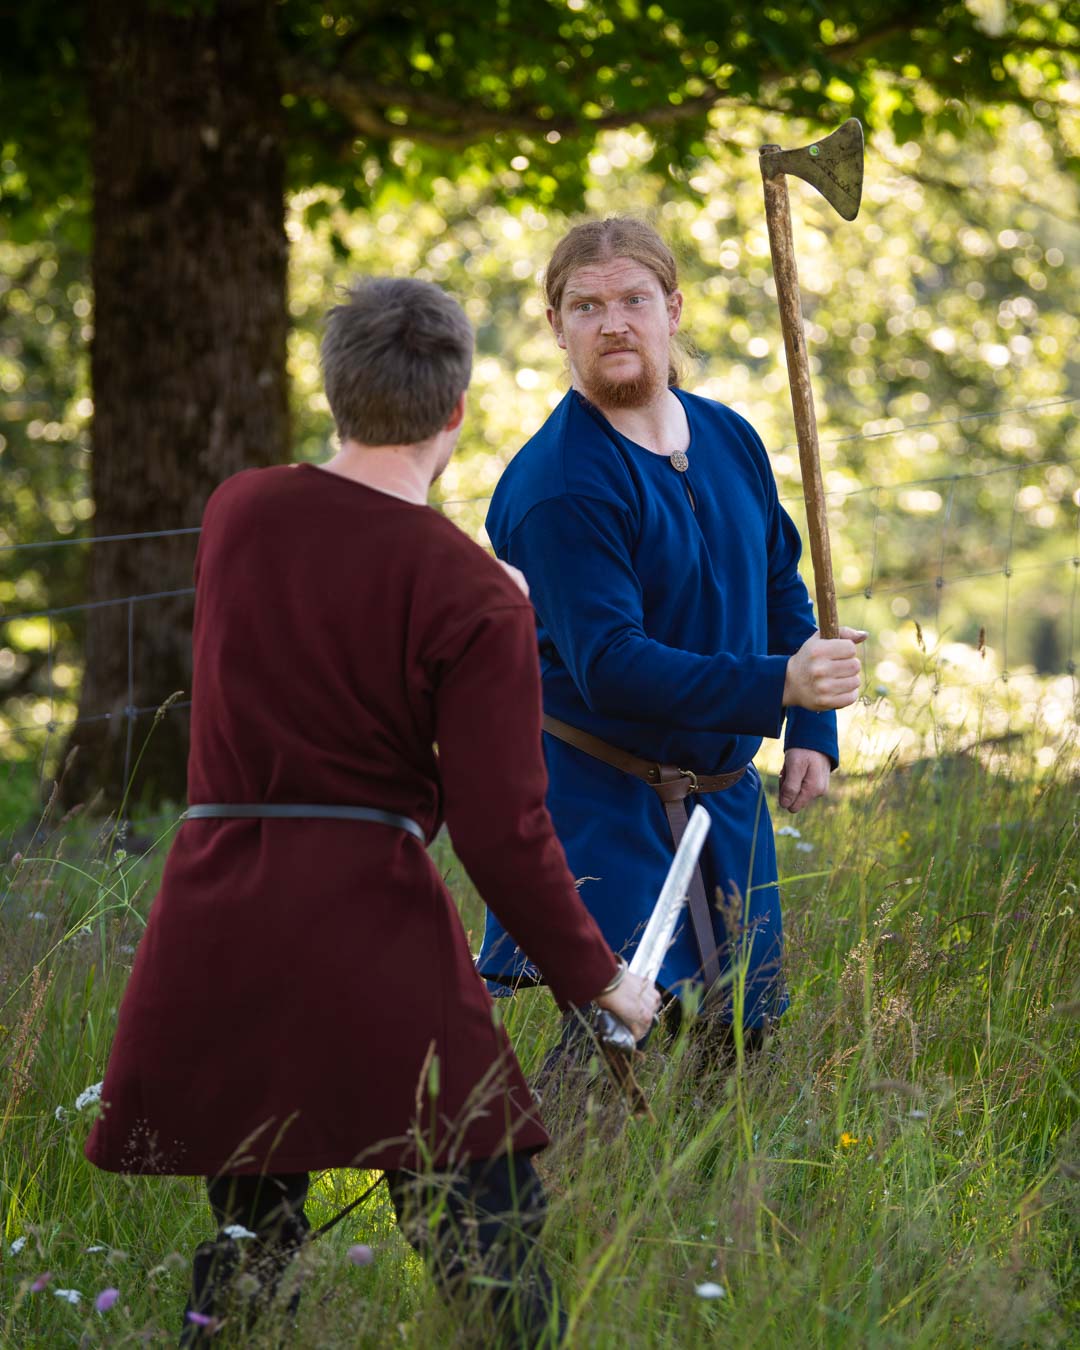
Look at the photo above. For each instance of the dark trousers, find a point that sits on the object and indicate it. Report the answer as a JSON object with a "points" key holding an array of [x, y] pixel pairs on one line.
{"points": [[476, 1229]]}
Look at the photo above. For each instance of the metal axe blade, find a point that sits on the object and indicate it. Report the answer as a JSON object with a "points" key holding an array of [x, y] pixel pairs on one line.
{"points": [[834, 166]]}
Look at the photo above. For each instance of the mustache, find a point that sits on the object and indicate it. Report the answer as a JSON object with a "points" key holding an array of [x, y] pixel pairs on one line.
{"points": [[617, 347]]}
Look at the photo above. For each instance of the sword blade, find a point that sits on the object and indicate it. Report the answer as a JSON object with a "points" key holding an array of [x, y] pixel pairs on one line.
{"points": [[660, 929]]}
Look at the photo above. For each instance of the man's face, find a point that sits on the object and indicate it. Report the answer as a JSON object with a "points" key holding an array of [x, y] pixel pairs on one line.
{"points": [[615, 322]]}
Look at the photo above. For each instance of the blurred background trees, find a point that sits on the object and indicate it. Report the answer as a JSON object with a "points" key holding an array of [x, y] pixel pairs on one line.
{"points": [[162, 163]]}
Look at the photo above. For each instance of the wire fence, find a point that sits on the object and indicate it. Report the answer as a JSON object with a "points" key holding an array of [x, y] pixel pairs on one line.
{"points": [[1018, 522]]}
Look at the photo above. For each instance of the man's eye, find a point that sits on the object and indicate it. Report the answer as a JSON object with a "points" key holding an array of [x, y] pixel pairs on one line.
{"points": [[636, 300], [584, 307]]}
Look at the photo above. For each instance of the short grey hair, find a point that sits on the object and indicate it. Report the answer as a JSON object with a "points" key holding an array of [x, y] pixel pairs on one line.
{"points": [[396, 357]]}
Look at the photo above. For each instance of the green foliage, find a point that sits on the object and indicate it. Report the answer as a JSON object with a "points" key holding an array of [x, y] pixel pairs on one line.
{"points": [[415, 92], [44, 144], [44, 464], [899, 1169]]}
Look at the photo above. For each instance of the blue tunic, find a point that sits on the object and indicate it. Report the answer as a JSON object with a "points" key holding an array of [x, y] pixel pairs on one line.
{"points": [[667, 604]]}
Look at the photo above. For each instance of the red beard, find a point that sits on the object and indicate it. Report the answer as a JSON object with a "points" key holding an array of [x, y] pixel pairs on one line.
{"points": [[632, 392]]}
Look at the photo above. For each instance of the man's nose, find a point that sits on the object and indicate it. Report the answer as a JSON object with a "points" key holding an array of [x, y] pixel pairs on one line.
{"points": [[614, 321]]}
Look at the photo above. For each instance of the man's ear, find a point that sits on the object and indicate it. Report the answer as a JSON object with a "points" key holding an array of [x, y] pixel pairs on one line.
{"points": [[457, 415], [674, 303], [556, 326]]}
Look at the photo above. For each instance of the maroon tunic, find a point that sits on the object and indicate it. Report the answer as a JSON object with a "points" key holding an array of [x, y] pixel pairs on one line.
{"points": [[304, 996]]}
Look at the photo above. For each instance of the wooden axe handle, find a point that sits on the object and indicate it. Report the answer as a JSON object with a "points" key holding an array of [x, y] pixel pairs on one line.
{"points": [[778, 217]]}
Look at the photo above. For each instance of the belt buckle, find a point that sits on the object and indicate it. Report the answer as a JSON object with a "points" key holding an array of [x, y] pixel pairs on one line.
{"points": [[689, 773]]}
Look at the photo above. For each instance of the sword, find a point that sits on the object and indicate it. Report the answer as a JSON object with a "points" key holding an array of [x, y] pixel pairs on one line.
{"points": [[612, 1033]]}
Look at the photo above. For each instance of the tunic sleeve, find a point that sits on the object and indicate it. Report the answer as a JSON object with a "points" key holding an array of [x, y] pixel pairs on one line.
{"points": [[576, 555], [491, 764]]}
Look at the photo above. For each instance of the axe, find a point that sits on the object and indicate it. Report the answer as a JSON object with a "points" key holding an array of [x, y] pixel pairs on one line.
{"points": [[835, 167]]}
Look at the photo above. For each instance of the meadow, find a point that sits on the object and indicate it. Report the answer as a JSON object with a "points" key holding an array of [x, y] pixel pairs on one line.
{"points": [[898, 1167]]}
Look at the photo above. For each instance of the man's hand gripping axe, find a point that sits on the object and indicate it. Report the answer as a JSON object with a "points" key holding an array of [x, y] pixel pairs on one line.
{"points": [[835, 167]]}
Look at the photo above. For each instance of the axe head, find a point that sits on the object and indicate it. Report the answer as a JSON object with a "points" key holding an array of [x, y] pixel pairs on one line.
{"points": [[834, 166]]}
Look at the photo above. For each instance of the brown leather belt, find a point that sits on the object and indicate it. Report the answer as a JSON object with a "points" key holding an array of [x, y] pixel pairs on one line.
{"points": [[672, 785]]}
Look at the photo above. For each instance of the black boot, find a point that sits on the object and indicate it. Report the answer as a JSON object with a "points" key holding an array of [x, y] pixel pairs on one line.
{"points": [[268, 1258], [213, 1267], [237, 1279]]}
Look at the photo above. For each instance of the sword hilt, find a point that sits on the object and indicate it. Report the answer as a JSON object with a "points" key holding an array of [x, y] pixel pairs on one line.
{"points": [[612, 1032], [617, 1042]]}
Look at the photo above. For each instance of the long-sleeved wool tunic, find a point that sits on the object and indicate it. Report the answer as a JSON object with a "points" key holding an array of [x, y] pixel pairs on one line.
{"points": [[304, 995], [667, 604]]}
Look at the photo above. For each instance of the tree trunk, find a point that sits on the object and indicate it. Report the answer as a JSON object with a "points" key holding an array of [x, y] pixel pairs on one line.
{"points": [[188, 357]]}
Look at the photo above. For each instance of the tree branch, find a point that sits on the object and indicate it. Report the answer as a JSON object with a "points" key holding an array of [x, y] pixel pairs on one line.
{"points": [[1015, 44], [917, 15], [453, 124], [981, 191]]}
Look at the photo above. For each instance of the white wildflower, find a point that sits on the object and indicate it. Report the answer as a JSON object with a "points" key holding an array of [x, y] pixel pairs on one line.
{"points": [[88, 1096], [97, 1248], [790, 831], [710, 1290], [71, 1296], [237, 1231], [916, 1115], [37, 915], [804, 847], [17, 1246], [60, 1113]]}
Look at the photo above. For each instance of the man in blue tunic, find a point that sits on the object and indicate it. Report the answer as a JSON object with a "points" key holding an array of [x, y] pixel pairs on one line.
{"points": [[675, 631]]}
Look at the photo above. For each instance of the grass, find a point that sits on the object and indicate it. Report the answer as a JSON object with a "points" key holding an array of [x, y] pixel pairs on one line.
{"points": [[899, 1167]]}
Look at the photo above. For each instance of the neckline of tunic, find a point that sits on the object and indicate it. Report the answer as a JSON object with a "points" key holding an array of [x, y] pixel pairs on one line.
{"points": [[657, 455], [364, 487]]}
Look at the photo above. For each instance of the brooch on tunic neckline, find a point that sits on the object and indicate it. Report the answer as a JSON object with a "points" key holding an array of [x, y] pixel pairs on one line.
{"points": [[678, 461]]}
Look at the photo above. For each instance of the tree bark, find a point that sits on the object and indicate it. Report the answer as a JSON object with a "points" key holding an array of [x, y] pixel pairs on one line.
{"points": [[188, 356]]}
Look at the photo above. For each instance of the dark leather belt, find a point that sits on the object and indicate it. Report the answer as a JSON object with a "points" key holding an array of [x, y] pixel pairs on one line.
{"points": [[672, 785], [289, 811]]}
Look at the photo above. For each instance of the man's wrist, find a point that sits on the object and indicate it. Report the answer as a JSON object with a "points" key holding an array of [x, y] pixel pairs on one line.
{"points": [[616, 979]]}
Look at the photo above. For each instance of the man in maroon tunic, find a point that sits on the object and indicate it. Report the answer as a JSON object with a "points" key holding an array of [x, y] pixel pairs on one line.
{"points": [[304, 996]]}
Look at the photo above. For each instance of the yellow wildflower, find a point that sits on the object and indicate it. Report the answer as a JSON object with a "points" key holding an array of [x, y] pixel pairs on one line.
{"points": [[846, 1140]]}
